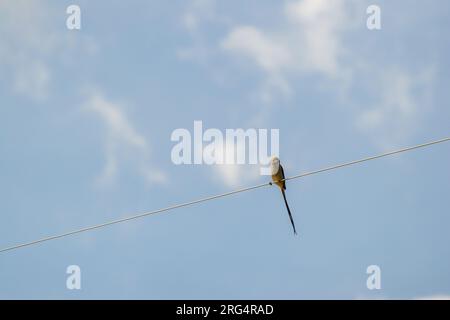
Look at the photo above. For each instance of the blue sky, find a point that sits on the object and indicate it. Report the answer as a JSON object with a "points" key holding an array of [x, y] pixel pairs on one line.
{"points": [[86, 118]]}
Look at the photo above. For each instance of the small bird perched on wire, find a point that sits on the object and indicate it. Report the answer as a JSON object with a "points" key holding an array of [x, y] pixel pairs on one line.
{"points": [[278, 178]]}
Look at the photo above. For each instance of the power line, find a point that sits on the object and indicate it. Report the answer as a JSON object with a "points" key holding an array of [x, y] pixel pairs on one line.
{"points": [[368, 159], [26, 244]]}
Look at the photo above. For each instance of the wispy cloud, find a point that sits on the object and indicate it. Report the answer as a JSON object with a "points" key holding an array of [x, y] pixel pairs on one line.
{"points": [[32, 78], [234, 175], [198, 14], [32, 43], [25, 43], [313, 39], [401, 99], [320, 25], [124, 145], [309, 41], [272, 56]]}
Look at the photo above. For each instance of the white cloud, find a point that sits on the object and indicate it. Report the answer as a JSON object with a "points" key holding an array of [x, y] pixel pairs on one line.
{"points": [[229, 173], [32, 43], [261, 48], [123, 145], [402, 98], [197, 15], [271, 56], [309, 41], [25, 42], [234, 175], [117, 123], [315, 37], [320, 23], [32, 78]]}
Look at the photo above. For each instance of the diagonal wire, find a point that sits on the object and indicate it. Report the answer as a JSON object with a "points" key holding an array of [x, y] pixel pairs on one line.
{"points": [[368, 158], [138, 216], [132, 217]]}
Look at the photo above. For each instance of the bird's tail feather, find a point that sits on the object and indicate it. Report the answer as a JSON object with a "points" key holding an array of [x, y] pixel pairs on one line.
{"points": [[289, 211]]}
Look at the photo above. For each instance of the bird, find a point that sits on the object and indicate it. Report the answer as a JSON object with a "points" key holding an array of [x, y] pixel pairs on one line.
{"points": [[278, 178]]}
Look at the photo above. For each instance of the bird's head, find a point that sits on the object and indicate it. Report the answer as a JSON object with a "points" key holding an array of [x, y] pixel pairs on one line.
{"points": [[274, 165]]}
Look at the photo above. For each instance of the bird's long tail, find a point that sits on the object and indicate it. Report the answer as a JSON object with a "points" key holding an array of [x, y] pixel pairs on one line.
{"points": [[289, 211]]}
